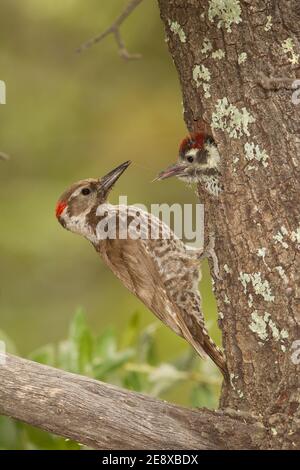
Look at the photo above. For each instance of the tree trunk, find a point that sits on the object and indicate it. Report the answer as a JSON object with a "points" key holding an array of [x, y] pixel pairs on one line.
{"points": [[236, 71]]}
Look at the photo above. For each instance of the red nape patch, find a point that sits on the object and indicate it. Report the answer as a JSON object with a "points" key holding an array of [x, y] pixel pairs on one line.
{"points": [[193, 141], [60, 207]]}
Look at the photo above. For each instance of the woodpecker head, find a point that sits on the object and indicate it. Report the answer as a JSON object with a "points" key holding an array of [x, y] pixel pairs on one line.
{"points": [[198, 161], [81, 200]]}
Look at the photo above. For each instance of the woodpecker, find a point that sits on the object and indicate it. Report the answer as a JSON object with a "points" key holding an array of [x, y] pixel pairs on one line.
{"points": [[198, 162], [161, 271]]}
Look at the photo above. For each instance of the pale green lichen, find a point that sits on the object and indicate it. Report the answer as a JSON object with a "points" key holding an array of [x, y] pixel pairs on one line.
{"points": [[295, 235], [283, 348], [201, 75], [261, 252], [177, 29], [227, 12], [218, 54], [240, 393], [288, 47], [242, 58], [269, 23], [261, 287], [226, 300], [274, 431], [259, 325], [284, 334], [232, 378], [275, 331], [221, 315], [282, 274], [206, 47], [245, 279], [227, 269], [250, 301], [279, 237], [229, 118], [253, 152], [206, 88]]}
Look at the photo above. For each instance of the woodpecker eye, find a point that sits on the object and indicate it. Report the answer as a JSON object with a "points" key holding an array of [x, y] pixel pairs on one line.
{"points": [[190, 159], [85, 191]]}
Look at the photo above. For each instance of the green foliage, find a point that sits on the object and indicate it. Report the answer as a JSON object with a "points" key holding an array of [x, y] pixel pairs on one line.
{"points": [[128, 360]]}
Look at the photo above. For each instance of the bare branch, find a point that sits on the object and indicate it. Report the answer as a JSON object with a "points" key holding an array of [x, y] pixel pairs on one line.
{"points": [[275, 83], [115, 30], [106, 417], [4, 156]]}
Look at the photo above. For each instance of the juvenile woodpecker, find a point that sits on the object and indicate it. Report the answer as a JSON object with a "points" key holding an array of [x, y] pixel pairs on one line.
{"points": [[198, 162], [160, 270]]}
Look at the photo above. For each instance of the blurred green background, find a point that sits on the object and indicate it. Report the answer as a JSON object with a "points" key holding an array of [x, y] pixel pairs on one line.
{"points": [[69, 116]]}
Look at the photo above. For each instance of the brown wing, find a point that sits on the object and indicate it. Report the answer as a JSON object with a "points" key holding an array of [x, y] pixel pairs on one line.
{"points": [[131, 262]]}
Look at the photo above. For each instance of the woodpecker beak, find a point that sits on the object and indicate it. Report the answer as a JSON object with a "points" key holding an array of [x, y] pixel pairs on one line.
{"points": [[173, 170], [107, 181]]}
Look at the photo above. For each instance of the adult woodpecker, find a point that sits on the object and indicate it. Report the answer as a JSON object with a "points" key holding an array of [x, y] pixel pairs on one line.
{"points": [[198, 162], [160, 270]]}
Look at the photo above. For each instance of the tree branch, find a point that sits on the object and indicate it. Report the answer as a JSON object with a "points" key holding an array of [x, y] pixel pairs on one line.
{"points": [[275, 83], [4, 156], [103, 416], [114, 29]]}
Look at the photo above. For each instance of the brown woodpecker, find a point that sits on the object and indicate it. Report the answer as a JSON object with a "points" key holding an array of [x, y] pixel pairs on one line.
{"points": [[161, 271], [198, 162]]}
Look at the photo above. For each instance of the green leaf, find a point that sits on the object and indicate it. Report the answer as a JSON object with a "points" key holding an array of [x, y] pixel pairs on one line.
{"points": [[106, 344], [38, 439], [10, 346], [9, 437], [146, 345], [134, 381], [203, 396], [111, 364], [131, 331], [81, 339], [44, 355], [67, 356]]}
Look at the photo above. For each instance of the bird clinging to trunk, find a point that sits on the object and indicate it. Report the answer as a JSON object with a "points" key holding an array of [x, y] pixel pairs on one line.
{"points": [[198, 162], [160, 270]]}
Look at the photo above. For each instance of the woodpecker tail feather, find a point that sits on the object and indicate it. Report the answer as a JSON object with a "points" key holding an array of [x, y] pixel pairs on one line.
{"points": [[216, 355], [193, 330]]}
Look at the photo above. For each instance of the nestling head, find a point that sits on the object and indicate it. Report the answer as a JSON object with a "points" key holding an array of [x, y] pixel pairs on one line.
{"points": [[198, 156], [82, 198]]}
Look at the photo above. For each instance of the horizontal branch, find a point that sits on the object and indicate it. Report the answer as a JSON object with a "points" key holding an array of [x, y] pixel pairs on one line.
{"points": [[103, 416]]}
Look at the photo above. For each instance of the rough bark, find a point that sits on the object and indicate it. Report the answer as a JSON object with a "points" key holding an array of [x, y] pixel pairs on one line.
{"points": [[256, 218], [106, 417]]}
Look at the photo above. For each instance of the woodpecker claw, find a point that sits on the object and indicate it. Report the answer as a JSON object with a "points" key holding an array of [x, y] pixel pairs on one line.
{"points": [[209, 252]]}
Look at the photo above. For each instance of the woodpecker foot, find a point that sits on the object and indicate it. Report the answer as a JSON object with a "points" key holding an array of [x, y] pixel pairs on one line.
{"points": [[209, 252]]}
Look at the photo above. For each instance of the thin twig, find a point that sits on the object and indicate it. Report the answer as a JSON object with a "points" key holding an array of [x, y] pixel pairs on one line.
{"points": [[180, 375], [275, 83], [114, 29], [4, 156]]}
